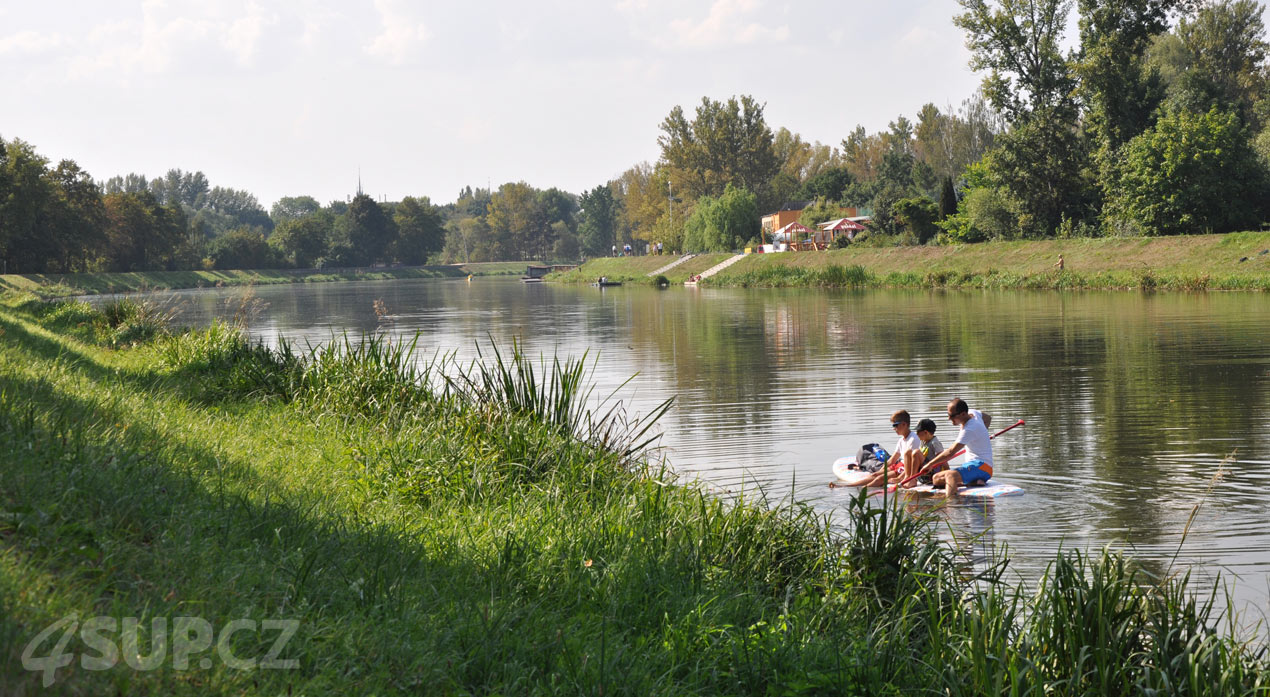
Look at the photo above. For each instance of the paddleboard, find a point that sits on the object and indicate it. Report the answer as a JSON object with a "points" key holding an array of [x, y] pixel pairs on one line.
{"points": [[842, 468], [991, 490]]}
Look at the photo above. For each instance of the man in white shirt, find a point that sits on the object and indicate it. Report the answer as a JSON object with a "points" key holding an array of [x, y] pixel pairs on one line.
{"points": [[978, 443]]}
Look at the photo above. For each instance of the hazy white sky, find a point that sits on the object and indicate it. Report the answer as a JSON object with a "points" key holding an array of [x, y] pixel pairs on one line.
{"points": [[291, 98]]}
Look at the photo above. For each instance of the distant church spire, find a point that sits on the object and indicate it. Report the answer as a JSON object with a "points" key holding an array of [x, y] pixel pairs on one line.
{"points": [[359, 181]]}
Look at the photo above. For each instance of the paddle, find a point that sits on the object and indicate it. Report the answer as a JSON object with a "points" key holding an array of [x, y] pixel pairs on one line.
{"points": [[920, 472]]}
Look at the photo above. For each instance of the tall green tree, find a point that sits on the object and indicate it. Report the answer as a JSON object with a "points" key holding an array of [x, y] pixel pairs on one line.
{"points": [[1119, 86], [302, 241], [916, 216], [723, 223], [185, 188], [367, 231], [830, 184], [1040, 161], [242, 248], [597, 228], [1191, 173], [1017, 43], [468, 239], [947, 198], [647, 209], [141, 234], [724, 143], [293, 208], [241, 207], [862, 154], [518, 223], [420, 232], [131, 183], [1226, 52], [25, 209], [79, 219]]}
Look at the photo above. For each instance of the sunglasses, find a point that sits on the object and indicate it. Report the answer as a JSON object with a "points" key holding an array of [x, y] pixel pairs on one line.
{"points": [[897, 424]]}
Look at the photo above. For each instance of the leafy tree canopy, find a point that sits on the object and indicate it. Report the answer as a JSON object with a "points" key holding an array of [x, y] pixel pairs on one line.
{"points": [[724, 143], [723, 223], [1191, 173]]}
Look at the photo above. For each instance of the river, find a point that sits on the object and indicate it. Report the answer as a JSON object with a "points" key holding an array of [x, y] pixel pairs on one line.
{"points": [[1139, 407]]}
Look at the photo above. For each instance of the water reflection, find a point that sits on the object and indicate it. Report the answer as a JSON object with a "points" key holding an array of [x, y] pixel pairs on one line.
{"points": [[1132, 401]]}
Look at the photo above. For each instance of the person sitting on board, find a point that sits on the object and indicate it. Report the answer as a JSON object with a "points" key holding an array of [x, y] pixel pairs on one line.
{"points": [[903, 458], [931, 447], [978, 443]]}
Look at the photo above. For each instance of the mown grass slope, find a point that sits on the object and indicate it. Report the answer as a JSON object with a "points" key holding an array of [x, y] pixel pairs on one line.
{"points": [[1220, 262], [636, 269], [55, 285]]}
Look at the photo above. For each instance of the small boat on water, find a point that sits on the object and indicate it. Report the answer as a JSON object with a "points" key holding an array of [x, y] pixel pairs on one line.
{"points": [[529, 279], [605, 284]]}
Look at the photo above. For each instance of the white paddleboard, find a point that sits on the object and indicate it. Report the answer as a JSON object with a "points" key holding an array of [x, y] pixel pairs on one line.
{"points": [[842, 468], [991, 490]]}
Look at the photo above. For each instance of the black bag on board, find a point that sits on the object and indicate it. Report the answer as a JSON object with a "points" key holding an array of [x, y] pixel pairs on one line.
{"points": [[871, 457]]}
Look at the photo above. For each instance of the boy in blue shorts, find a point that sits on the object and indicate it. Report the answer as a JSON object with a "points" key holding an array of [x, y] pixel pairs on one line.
{"points": [[975, 438]]}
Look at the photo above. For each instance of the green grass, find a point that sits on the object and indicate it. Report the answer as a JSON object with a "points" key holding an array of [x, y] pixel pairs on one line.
{"points": [[457, 529], [635, 270], [1191, 263], [61, 285]]}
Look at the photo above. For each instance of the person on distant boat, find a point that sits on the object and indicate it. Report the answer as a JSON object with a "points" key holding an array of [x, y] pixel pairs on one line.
{"points": [[978, 443], [905, 456]]}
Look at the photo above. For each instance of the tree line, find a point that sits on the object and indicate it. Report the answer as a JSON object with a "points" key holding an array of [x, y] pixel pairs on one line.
{"points": [[1157, 123]]}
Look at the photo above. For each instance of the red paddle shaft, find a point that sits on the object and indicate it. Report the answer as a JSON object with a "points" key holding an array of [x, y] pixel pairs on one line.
{"points": [[958, 452]]}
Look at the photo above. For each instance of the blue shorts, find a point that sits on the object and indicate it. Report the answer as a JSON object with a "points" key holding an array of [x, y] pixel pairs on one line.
{"points": [[973, 473]]}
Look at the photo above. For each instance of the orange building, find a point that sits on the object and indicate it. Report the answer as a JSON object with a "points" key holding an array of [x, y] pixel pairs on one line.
{"points": [[787, 214], [790, 212]]}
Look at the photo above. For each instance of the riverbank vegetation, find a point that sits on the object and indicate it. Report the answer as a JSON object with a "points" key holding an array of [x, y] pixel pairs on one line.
{"points": [[457, 529], [1238, 261], [58, 285], [636, 269]]}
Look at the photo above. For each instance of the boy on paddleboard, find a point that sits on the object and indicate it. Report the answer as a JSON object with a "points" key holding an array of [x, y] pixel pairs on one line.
{"points": [[930, 449], [978, 443], [906, 455]]}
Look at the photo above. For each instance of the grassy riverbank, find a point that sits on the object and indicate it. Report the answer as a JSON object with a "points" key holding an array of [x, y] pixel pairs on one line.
{"points": [[452, 530], [61, 285], [635, 270], [1199, 262]]}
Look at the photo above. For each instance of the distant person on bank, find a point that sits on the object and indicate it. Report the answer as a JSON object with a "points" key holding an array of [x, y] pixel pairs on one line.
{"points": [[978, 443]]}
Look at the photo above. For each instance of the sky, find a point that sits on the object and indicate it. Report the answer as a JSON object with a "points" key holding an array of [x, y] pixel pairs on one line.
{"points": [[423, 98]]}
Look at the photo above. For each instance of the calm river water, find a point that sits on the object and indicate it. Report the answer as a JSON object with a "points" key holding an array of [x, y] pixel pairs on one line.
{"points": [[1134, 403]]}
